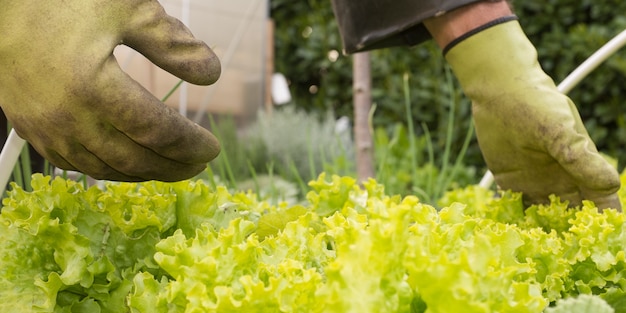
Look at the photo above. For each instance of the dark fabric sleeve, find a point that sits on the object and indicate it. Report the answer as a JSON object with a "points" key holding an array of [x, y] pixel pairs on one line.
{"points": [[374, 24]]}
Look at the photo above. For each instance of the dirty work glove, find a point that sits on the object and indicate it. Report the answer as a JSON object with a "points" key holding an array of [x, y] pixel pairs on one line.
{"points": [[531, 135], [63, 91]]}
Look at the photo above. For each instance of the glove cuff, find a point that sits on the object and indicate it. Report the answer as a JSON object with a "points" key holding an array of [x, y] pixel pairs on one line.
{"points": [[478, 29], [496, 60]]}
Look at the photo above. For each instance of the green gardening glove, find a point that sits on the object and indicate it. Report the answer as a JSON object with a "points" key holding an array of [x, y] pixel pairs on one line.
{"points": [[63, 91], [531, 135]]}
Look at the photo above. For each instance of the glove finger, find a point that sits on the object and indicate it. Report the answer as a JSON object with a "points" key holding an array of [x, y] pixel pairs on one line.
{"points": [[611, 201], [169, 44], [113, 156], [597, 180], [134, 112], [87, 163], [137, 161], [132, 170]]}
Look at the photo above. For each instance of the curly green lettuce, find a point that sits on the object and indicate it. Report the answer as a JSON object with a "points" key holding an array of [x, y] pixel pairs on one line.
{"points": [[187, 247]]}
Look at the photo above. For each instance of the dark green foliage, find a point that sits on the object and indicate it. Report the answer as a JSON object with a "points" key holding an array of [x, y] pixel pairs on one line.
{"points": [[565, 33], [304, 37]]}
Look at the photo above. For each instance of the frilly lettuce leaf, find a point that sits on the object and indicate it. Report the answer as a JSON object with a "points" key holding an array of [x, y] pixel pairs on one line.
{"points": [[360, 268], [328, 197], [271, 223], [231, 271], [84, 246], [581, 304], [465, 264], [188, 247], [85, 240], [22, 261], [197, 203], [616, 298]]}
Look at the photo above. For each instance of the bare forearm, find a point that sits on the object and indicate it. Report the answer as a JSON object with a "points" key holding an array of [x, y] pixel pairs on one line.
{"points": [[450, 25]]}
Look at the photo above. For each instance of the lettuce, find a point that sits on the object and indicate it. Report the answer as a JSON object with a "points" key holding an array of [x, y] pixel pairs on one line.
{"points": [[188, 247], [465, 264], [360, 268], [65, 248], [581, 304]]}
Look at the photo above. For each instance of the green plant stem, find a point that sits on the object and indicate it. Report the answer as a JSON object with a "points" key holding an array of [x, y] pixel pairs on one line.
{"points": [[431, 160], [211, 176], [370, 118], [255, 178], [47, 168], [312, 168], [18, 176], [298, 177], [409, 117], [171, 92], [273, 196], [382, 172], [27, 169], [225, 168], [458, 162], [449, 132]]}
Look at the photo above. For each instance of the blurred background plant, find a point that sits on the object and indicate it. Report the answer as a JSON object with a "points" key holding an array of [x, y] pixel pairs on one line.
{"points": [[290, 147], [287, 144]]}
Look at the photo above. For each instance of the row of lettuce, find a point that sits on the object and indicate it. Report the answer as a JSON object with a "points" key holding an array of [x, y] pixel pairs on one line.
{"points": [[188, 247]]}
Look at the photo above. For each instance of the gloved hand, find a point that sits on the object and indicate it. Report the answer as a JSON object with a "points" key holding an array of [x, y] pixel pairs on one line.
{"points": [[531, 135], [63, 91]]}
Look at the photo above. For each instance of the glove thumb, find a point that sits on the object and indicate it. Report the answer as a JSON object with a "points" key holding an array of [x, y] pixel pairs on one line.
{"points": [[169, 44]]}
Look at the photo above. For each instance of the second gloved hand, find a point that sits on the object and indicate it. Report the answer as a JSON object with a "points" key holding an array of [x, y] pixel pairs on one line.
{"points": [[530, 134], [63, 91]]}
